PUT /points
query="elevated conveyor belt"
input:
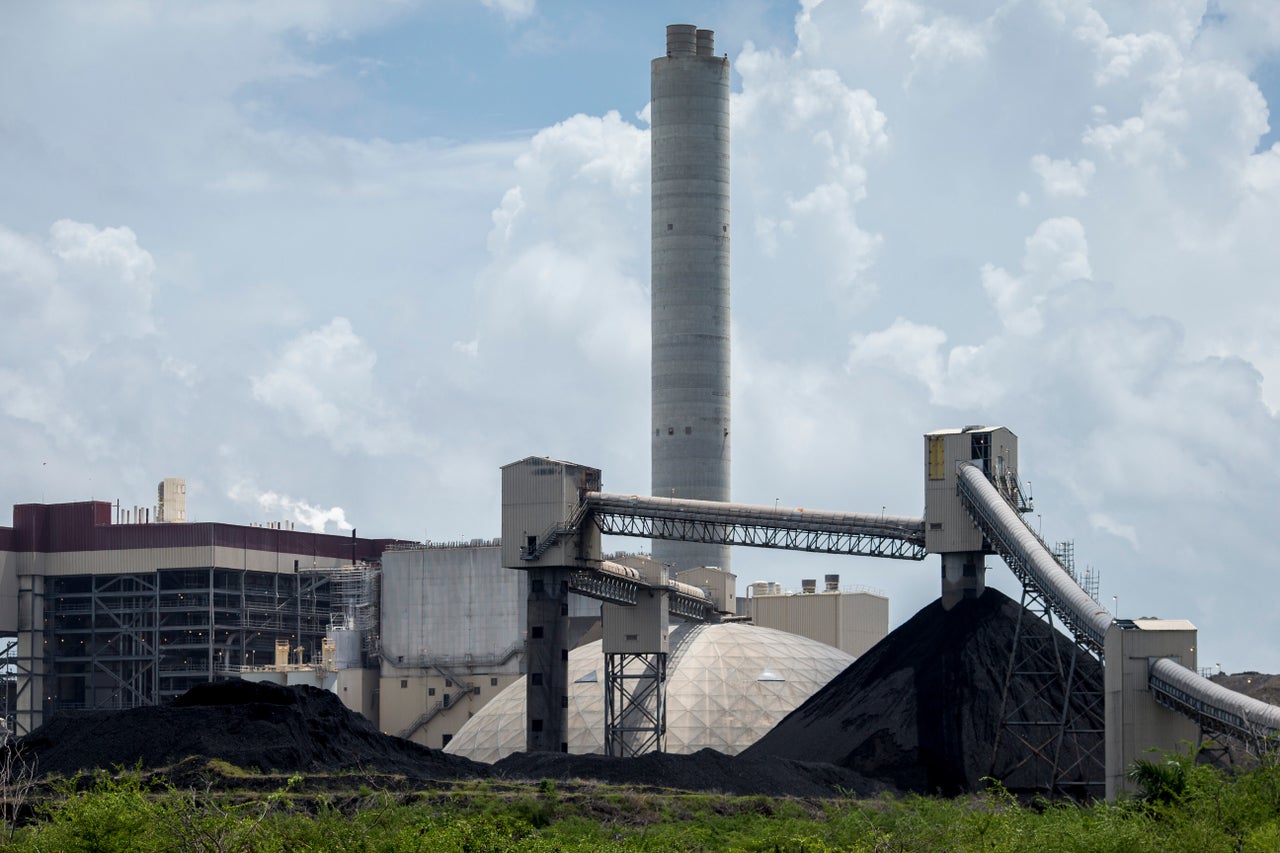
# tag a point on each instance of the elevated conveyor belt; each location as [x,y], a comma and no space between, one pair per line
[1029,558]
[897,537]
[1215,707]
[618,584]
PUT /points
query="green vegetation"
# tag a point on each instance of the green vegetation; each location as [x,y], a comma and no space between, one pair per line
[1180,806]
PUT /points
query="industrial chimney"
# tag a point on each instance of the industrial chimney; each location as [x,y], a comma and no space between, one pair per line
[689,138]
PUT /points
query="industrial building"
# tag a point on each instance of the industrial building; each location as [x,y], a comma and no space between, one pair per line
[852,620]
[453,634]
[108,612]
[111,609]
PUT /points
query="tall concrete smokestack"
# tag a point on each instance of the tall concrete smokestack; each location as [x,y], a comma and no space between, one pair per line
[689,115]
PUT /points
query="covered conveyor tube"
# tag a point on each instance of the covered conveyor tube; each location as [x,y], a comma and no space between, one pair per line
[1214,706]
[1013,539]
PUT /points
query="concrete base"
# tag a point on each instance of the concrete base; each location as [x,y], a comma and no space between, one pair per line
[964,575]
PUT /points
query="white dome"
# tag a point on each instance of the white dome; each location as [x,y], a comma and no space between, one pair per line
[727,684]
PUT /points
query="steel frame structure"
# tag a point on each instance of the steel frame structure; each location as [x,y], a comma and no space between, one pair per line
[635,703]
[1064,745]
[757,527]
[134,639]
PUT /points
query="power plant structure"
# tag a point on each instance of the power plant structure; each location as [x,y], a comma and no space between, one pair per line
[689,157]
[116,614]
[110,613]
[1153,698]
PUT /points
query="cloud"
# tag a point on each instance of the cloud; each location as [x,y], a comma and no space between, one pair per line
[1127,532]
[1062,177]
[69,299]
[82,287]
[803,144]
[1056,254]
[324,381]
[512,10]
[932,226]
[567,249]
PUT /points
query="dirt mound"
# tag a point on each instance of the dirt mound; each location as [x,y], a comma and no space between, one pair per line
[705,770]
[250,725]
[921,709]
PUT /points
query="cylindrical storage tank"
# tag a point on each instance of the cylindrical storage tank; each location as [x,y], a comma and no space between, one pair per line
[689,137]
[346,651]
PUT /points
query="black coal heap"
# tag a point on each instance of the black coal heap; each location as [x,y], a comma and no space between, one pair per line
[921,709]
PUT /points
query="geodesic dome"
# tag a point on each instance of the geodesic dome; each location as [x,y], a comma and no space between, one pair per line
[727,684]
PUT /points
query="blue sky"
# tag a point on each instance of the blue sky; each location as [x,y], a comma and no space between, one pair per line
[463,70]
[336,263]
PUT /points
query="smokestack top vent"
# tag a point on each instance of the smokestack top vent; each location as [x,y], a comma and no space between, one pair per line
[706,40]
[682,40]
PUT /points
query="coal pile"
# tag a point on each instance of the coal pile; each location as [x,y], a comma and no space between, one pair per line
[705,770]
[921,710]
[1258,685]
[304,729]
[250,725]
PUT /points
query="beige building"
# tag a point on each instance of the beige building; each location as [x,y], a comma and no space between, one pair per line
[851,620]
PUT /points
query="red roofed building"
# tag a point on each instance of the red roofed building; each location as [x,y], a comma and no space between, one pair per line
[111,615]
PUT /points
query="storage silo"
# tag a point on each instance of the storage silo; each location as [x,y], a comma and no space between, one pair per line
[689,137]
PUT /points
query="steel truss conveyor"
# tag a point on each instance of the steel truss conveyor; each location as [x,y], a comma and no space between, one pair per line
[1215,708]
[792,529]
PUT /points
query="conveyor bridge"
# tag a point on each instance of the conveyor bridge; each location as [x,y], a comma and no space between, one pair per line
[1000,529]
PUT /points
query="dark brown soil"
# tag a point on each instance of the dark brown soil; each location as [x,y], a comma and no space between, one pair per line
[921,710]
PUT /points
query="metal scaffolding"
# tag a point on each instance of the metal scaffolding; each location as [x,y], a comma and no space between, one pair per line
[126,640]
[635,703]
[1062,741]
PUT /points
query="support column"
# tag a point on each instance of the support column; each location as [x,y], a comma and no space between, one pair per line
[635,703]
[547,655]
[29,715]
[964,575]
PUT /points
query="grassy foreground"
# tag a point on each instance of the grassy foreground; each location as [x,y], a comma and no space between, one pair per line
[1182,807]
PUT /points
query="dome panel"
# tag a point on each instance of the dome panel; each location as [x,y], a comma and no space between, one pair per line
[715,693]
